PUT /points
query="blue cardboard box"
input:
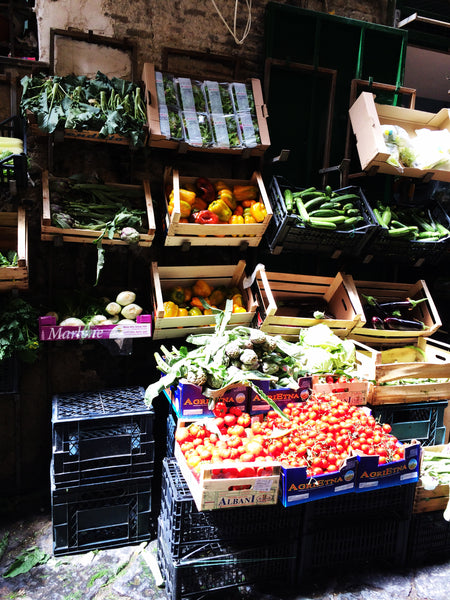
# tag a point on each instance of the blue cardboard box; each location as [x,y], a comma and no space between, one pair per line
[188,401]
[281,396]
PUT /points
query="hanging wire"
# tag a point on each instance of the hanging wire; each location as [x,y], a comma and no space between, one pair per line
[247,25]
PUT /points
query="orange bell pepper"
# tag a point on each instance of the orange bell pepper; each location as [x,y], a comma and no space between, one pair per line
[247,203]
[199,204]
[221,185]
[236,220]
[239,210]
[195,301]
[202,288]
[258,211]
[170,309]
[245,192]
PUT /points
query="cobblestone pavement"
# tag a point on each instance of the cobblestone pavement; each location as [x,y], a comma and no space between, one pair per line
[125,574]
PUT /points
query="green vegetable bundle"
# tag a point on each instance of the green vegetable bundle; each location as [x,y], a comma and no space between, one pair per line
[108,106]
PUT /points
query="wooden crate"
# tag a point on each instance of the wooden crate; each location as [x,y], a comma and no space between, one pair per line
[367,118]
[225,234]
[159,140]
[390,292]
[435,365]
[50,232]
[431,500]
[270,289]
[165,278]
[14,236]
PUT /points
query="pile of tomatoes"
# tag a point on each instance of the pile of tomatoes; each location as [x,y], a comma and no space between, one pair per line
[318,434]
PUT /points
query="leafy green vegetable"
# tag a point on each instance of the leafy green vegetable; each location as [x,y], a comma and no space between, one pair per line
[18,329]
[28,559]
[9,259]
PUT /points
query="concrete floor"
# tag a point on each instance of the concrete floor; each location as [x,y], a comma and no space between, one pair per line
[125,574]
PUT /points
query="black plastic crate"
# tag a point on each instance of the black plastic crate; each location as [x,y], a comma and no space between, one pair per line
[219,566]
[410,252]
[286,233]
[9,379]
[98,517]
[392,503]
[171,428]
[189,528]
[13,168]
[421,421]
[429,538]
[89,448]
[365,542]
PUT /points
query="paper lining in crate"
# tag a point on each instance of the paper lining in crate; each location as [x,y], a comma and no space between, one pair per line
[14,237]
[392,292]
[430,500]
[368,118]
[280,295]
[427,359]
[203,110]
[50,232]
[230,492]
[165,278]
[225,234]
[50,331]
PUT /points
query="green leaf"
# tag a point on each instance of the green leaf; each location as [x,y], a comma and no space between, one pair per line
[26,561]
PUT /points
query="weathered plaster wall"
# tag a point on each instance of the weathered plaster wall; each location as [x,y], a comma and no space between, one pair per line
[187,24]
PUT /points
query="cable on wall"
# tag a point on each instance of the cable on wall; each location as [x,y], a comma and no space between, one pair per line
[233,30]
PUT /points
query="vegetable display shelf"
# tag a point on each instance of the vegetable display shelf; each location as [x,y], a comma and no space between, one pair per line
[50,232]
[385,292]
[368,118]
[206,116]
[49,331]
[432,500]
[421,421]
[13,166]
[281,298]
[408,374]
[164,279]
[102,437]
[179,233]
[286,232]
[14,239]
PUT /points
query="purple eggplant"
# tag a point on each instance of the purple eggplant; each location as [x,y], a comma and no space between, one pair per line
[408,304]
[377,323]
[403,324]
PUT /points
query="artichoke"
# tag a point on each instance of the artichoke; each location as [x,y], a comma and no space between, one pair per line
[130,235]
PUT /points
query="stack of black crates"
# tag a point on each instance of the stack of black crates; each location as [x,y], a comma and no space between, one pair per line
[101,470]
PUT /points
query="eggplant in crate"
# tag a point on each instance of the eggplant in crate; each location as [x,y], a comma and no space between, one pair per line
[103,436]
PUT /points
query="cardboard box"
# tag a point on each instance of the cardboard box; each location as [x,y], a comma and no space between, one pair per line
[298,488]
[372,476]
[274,290]
[213,494]
[356,393]
[14,236]
[50,232]
[166,278]
[158,139]
[188,400]
[281,396]
[367,118]
[432,362]
[431,500]
[49,331]
[225,234]
[389,292]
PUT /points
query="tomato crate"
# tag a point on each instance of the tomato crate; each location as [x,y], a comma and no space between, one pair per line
[187,400]
[50,232]
[429,538]
[361,542]
[393,371]
[368,118]
[109,515]
[385,291]
[101,437]
[287,233]
[280,296]
[421,421]
[219,566]
[14,238]
[171,116]
[186,528]
[178,233]
[164,279]
[14,167]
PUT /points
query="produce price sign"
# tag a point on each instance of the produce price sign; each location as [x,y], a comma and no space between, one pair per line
[50,332]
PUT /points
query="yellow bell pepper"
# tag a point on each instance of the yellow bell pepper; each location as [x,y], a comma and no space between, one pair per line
[182,312]
[238,309]
[185,208]
[228,198]
[170,309]
[202,288]
[258,211]
[221,209]
[236,220]
[237,300]
[245,192]
[185,195]
[248,217]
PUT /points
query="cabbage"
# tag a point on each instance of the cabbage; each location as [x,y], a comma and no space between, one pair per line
[324,352]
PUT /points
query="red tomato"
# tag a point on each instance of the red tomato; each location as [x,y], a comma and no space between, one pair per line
[229,420]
